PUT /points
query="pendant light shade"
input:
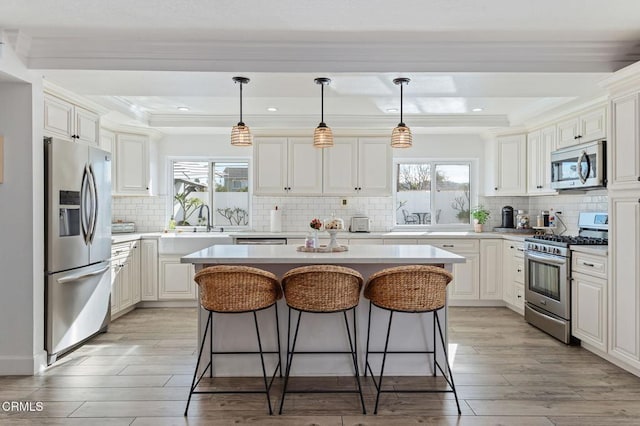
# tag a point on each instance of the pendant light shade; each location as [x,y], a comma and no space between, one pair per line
[322,136]
[401,135]
[240,133]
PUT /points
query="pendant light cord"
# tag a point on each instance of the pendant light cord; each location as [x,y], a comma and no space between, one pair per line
[241,102]
[322,103]
[401,102]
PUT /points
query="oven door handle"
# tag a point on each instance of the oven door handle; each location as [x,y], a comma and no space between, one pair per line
[547,259]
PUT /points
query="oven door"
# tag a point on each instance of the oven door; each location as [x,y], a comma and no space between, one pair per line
[546,283]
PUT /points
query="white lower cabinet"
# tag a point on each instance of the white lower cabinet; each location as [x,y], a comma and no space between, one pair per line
[588,309]
[125,278]
[176,279]
[466,276]
[513,275]
[491,269]
[149,270]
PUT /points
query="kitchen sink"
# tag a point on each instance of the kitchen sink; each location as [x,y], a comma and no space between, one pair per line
[188,242]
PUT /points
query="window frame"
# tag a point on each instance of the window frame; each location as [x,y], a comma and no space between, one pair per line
[211,160]
[474,185]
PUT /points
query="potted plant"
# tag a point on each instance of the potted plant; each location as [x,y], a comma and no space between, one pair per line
[480,216]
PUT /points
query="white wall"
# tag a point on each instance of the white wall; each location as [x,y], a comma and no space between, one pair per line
[21,219]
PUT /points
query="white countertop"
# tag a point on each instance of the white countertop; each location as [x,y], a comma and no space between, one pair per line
[396,254]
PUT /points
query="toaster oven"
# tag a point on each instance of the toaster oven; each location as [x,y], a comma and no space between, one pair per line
[360,224]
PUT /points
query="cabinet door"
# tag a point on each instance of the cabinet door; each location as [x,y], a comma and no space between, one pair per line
[593,125]
[176,279]
[340,167]
[568,132]
[115,295]
[547,146]
[149,269]
[624,149]
[588,309]
[374,166]
[107,140]
[132,164]
[125,289]
[305,167]
[465,284]
[58,116]
[87,126]
[270,165]
[507,275]
[534,141]
[512,171]
[624,285]
[491,269]
[134,272]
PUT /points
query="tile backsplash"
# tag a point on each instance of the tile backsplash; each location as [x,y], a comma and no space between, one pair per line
[149,213]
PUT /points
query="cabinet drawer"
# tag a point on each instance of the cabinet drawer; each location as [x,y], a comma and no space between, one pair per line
[516,249]
[518,270]
[454,246]
[589,264]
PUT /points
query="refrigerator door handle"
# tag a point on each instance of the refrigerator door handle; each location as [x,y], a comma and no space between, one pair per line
[83,205]
[79,277]
[94,205]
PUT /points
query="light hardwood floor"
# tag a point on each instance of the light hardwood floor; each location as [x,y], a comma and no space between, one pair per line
[507,373]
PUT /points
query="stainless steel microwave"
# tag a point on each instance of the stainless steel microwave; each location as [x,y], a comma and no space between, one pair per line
[579,167]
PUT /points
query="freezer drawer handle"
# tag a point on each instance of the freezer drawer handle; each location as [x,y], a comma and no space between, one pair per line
[81,276]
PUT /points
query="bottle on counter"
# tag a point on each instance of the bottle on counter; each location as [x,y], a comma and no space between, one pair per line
[172,224]
[552,218]
[545,218]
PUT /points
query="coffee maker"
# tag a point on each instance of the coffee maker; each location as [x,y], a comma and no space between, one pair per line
[507,217]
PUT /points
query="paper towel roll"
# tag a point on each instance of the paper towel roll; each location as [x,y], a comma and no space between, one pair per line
[276,221]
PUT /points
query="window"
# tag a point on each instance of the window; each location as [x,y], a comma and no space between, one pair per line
[433,193]
[218,187]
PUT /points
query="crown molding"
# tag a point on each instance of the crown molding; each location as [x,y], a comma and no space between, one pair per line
[307,56]
[61,92]
[341,121]
[115,126]
[626,79]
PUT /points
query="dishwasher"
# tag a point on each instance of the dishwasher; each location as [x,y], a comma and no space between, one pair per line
[261,241]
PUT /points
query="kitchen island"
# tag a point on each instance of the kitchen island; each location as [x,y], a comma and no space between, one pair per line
[235,332]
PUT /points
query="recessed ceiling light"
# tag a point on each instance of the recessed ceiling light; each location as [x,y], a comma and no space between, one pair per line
[272,109]
[183,108]
[392,109]
[477,110]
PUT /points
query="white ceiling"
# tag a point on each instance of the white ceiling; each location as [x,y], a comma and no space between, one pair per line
[144,58]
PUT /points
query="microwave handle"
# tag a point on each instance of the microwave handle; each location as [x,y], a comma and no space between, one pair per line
[583,157]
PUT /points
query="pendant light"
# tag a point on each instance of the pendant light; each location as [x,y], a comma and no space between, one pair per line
[240,134]
[322,136]
[401,135]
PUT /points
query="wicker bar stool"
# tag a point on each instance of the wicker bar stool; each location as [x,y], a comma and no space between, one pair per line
[322,289]
[409,289]
[231,290]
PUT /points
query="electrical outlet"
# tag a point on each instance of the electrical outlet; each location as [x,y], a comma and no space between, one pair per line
[344,202]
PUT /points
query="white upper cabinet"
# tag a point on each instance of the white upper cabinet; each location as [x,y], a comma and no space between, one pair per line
[624,146]
[107,140]
[539,146]
[287,166]
[590,126]
[358,166]
[132,176]
[64,119]
[510,173]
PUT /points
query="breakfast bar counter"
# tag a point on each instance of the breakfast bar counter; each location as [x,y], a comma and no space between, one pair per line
[236,332]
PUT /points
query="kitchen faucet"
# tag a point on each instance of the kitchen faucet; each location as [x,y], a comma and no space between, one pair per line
[209,227]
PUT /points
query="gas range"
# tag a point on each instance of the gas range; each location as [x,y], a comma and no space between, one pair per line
[593,232]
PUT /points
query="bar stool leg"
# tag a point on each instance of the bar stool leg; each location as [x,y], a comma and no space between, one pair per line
[264,370]
[195,372]
[366,357]
[290,353]
[354,350]
[275,306]
[446,358]
[384,358]
[434,348]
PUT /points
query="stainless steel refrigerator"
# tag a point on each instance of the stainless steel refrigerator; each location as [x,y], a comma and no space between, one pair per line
[78,244]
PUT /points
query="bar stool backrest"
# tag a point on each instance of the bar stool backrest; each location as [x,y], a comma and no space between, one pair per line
[234,288]
[410,288]
[322,288]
